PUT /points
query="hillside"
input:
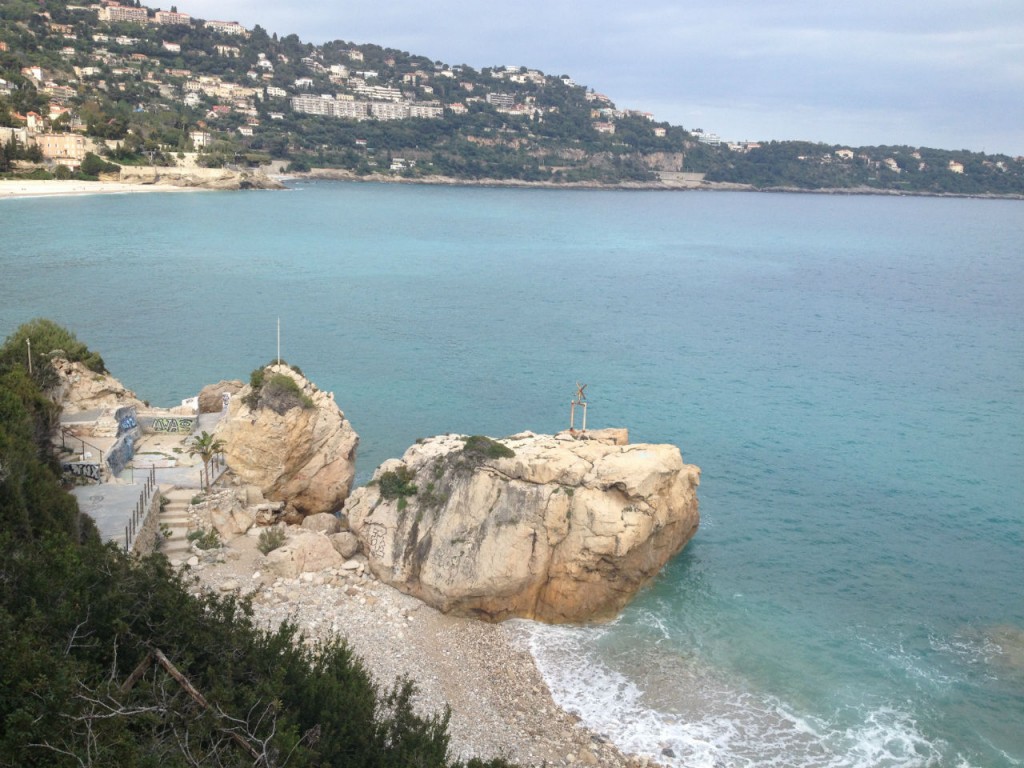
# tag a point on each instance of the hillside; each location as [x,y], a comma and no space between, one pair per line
[143,86]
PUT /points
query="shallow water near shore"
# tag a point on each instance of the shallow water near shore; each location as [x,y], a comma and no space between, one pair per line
[847,371]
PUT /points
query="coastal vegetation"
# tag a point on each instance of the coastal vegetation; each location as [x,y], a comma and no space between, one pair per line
[398,484]
[148,92]
[271,539]
[112,659]
[483,447]
[277,391]
[206,446]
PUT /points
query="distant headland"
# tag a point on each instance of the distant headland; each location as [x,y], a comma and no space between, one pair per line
[136,95]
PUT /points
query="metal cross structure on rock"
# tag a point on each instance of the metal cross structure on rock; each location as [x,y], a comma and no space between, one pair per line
[580,400]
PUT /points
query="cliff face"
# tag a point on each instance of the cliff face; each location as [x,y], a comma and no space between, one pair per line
[199,178]
[302,454]
[83,390]
[564,530]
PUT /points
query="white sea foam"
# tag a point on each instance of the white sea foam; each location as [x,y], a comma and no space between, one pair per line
[700,720]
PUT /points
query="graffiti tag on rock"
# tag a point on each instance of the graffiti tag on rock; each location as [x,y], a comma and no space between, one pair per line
[175,425]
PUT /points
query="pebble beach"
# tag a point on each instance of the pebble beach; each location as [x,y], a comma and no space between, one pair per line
[500,705]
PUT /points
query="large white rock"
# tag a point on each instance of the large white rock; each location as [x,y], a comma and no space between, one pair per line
[229,515]
[565,530]
[304,552]
[304,456]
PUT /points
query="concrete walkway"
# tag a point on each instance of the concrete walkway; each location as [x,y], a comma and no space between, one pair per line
[112,504]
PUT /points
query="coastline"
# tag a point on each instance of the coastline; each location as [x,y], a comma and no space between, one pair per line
[500,703]
[332,174]
[150,181]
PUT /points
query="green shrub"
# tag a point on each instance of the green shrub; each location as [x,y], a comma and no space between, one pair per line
[256,378]
[279,392]
[94,165]
[49,340]
[205,539]
[271,539]
[478,446]
[37,174]
[397,484]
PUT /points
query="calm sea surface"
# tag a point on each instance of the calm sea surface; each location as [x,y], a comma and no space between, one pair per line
[847,371]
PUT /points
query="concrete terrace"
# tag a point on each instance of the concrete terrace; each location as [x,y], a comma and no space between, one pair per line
[162,458]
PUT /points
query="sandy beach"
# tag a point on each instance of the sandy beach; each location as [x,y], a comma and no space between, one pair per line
[18,188]
[500,705]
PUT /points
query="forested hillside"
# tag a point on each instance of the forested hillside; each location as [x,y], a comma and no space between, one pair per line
[146,86]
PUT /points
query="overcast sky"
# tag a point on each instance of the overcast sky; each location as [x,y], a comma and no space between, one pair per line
[938,73]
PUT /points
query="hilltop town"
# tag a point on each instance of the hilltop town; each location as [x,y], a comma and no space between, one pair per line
[91,89]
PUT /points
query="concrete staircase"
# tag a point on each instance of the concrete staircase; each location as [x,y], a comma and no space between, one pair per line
[174,517]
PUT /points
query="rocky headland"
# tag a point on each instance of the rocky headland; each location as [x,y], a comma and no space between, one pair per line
[562,528]
[195,177]
[290,439]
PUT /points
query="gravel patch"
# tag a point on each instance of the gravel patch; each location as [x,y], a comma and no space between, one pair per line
[499,702]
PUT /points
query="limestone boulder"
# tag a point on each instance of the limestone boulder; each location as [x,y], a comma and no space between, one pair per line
[211,397]
[293,443]
[304,551]
[346,543]
[553,528]
[231,518]
[322,522]
[80,389]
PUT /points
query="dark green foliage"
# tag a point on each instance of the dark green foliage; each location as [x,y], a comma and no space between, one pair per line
[93,165]
[281,393]
[32,502]
[278,391]
[397,484]
[205,539]
[48,339]
[479,446]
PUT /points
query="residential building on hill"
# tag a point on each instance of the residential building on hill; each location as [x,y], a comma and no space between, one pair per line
[115,12]
[172,17]
[65,148]
[227,27]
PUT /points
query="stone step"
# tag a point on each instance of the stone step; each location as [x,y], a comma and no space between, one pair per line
[178,518]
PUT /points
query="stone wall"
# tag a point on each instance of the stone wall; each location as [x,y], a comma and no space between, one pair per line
[149,532]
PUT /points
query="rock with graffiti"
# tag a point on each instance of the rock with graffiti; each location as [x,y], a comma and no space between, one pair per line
[169,425]
[121,453]
[126,420]
[88,470]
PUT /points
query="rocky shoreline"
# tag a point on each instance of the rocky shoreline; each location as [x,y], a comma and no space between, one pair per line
[500,704]
[167,179]
[332,174]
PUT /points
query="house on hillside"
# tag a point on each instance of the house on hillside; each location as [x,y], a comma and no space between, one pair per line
[64,148]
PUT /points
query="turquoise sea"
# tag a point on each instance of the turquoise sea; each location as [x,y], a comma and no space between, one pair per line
[847,371]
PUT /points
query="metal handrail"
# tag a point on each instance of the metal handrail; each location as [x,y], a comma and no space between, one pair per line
[64,434]
[142,509]
[218,466]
